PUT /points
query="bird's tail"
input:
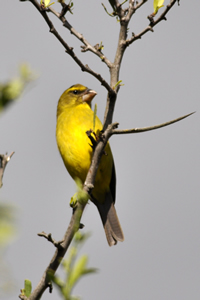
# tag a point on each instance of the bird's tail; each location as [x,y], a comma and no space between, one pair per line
[110,220]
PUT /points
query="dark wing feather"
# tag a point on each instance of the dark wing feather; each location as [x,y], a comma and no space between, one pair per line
[113,183]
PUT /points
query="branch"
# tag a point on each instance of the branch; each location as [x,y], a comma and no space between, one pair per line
[69,50]
[50,239]
[132,8]
[152,24]
[59,253]
[125,17]
[89,182]
[108,129]
[80,37]
[4,159]
[138,5]
[143,129]
[162,16]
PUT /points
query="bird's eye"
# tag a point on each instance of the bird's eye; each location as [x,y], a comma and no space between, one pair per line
[75,92]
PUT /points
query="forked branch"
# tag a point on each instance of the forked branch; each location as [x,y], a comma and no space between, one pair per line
[88,46]
[114,68]
[59,253]
[69,50]
[152,23]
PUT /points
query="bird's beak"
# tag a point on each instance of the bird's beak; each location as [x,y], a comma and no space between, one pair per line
[88,95]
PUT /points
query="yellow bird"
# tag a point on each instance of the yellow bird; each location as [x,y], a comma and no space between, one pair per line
[74,118]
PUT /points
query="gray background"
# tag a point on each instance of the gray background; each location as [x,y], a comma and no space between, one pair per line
[158,172]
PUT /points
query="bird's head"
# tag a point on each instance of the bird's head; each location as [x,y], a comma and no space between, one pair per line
[75,95]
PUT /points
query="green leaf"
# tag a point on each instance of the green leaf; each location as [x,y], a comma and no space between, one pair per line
[157,4]
[80,237]
[74,298]
[74,268]
[68,263]
[13,88]
[46,3]
[90,271]
[27,288]
[118,83]
[78,270]
[73,200]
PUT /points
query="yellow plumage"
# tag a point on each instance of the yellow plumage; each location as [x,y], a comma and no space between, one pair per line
[74,118]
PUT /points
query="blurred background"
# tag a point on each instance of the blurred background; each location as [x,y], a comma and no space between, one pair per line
[158,195]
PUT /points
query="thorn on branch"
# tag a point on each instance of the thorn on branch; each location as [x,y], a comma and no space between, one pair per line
[52,29]
[50,239]
[50,286]
[81,226]
[69,50]
[88,68]
[151,29]
[84,48]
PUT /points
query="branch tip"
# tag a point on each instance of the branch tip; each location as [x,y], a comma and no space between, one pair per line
[50,239]
[4,159]
[137,130]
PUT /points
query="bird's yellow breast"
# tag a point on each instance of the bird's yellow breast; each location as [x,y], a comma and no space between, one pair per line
[75,149]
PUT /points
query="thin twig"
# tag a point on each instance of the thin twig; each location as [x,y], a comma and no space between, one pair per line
[152,24]
[50,239]
[139,4]
[88,46]
[143,129]
[59,253]
[69,50]
[133,8]
[108,129]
